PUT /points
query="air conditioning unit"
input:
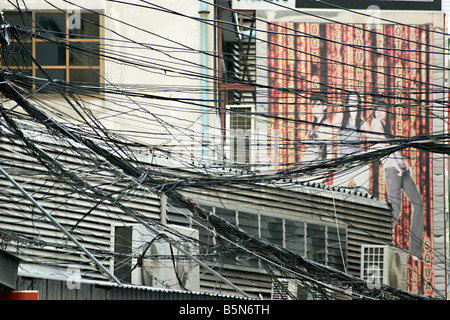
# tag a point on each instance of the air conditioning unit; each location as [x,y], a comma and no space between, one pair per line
[163,265]
[288,289]
[382,264]
[291,289]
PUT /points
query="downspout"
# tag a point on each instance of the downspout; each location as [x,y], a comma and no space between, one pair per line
[204,80]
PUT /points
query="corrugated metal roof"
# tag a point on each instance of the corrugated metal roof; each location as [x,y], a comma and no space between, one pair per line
[54,286]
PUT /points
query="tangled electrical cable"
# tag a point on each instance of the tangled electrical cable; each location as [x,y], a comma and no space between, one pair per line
[266,251]
[89,133]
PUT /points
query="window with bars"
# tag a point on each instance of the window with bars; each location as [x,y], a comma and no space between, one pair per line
[240,130]
[49,46]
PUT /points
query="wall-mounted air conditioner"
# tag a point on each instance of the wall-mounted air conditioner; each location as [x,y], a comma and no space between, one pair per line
[382,264]
[164,265]
[292,289]
[288,289]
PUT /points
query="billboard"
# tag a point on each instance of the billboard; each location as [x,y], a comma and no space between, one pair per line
[372,82]
[422,5]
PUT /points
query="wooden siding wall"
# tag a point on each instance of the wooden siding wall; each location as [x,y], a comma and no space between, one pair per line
[41,242]
[367,220]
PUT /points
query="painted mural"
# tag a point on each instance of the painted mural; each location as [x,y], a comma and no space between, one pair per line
[354,84]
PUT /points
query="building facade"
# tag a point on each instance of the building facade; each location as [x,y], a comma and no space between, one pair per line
[113,107]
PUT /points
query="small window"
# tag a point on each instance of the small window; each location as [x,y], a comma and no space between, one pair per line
[316,244]
[272,230]
[249,223]
[240,134]
[337,247]
[123,248]
[65,52]
[295,237]
[228,215]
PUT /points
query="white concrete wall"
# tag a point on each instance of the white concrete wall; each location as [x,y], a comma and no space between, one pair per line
[168,46]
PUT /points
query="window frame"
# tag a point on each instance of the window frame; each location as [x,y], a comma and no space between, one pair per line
[339,226]
[68,38]
[249,153]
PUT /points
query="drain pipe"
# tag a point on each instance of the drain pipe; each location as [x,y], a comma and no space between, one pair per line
[204,12]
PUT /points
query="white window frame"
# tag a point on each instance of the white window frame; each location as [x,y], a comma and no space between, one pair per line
[229,146]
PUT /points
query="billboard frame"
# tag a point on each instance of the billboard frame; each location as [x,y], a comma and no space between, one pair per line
[402,5]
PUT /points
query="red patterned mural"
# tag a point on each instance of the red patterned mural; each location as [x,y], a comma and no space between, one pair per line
[389,62]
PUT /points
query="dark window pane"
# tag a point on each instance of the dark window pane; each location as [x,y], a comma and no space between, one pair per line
[315,249]
[295,237]
[24,72]
[18,19]
[228,215]
[123,248]
[50,54]
[85,76]
[18,55]
[337,248]
[84,54]
[272,230]
[206,237]
[51,24]
[85,25]
[248,223]
[59,74]
[240,118]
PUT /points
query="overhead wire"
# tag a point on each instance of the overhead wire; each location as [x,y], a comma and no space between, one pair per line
[221,181]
